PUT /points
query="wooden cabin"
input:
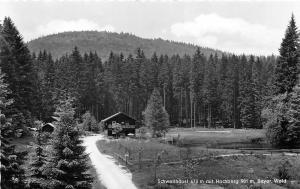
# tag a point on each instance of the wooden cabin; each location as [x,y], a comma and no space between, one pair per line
[119,124]
[48,127]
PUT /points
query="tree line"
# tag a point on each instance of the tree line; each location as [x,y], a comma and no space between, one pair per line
[197,90]
[228,90]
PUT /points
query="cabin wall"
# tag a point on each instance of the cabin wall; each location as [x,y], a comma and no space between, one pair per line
[128,124]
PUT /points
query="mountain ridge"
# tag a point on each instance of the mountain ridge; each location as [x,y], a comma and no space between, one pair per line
[104,42]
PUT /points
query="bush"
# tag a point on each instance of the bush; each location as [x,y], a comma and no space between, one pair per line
[284,169]
[89,122]
[283,120]
[142,132]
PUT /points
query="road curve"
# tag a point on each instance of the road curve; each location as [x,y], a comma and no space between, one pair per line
[111,175]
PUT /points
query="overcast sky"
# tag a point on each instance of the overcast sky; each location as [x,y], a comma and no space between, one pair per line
[240,27]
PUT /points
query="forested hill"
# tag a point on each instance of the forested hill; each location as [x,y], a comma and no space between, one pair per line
[104,42]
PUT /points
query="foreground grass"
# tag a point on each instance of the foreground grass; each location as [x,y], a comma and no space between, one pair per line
[245,167]
[147,150]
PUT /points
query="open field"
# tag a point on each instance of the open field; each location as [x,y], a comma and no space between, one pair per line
[195,158]
[147,150]
[219,138]
[231,168]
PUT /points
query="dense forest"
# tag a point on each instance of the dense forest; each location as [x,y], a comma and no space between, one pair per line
[204,90]
[103,42]
[198,90]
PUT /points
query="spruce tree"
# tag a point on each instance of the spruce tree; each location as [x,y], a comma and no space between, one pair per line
[196,83]
[225,86]
[286,67]
[38,178]
[236,79]
[12,174]
[68,167]
[249,96]
[148,76]
[16,63]
[177,84]
[293,117]
[211,90]
[283,119]
[282,112]
[44,104]
[155,115]
[165,78]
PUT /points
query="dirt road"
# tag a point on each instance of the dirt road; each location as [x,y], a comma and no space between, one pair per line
[111,175]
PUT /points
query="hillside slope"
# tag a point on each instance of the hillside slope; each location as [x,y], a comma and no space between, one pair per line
[104,42]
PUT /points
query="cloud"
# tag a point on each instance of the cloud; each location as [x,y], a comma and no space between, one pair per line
[229,34]
[56,26]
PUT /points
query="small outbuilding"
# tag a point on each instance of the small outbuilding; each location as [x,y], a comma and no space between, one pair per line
[48,127]
[119,124]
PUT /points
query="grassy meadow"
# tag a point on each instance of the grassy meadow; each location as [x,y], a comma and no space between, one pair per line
[192,155]
[219,138]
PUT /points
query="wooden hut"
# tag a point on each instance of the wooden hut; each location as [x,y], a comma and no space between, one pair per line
[119,124]
[48,127]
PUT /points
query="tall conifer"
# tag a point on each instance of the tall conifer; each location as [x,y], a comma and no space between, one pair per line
[286,70]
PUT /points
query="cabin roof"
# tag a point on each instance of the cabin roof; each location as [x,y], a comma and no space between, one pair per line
[50,124]
[55,118]
[115,115]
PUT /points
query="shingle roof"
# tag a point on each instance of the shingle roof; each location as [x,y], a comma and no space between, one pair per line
[104,120]
[49,124]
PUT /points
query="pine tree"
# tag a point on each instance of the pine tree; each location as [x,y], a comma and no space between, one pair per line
[258,86]
[236,91]
[282,113]
[178,86]
[148,76]
[16,63]
[77,73]
[12,174]
[286,67]
[293,117]
[68,168]
[249,96]
[196,83]
[38,179]
[44,82]
[283,119]
[211,90]
[186,68]
[114,82]
[165,82]
[137,98]
[155,115]
[225,90]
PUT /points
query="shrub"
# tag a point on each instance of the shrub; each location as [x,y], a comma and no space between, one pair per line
[142,132]
[283,170]
[89,122]
[283,120]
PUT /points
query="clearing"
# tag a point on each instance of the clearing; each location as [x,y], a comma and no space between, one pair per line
[201,154]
